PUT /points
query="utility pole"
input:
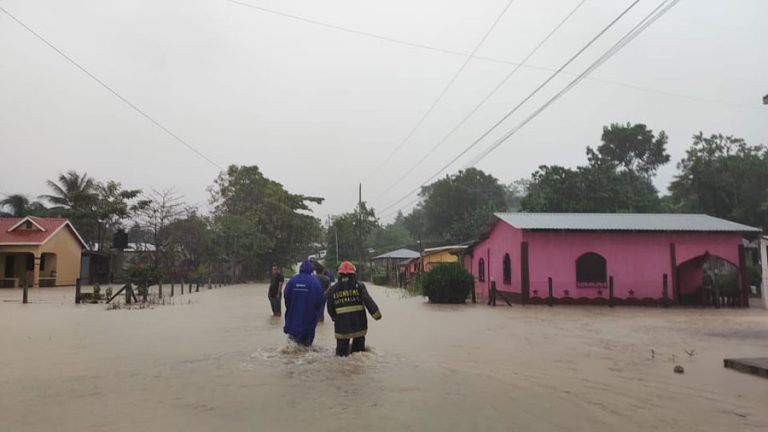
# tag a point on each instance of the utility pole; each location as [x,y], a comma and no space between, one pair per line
[360,228]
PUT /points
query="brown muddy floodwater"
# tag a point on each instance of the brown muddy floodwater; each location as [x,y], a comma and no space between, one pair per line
[217,361]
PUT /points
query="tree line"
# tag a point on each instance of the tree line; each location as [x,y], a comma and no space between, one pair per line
[720,175]
[255,223]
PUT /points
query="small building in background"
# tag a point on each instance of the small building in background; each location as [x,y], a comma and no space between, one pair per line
[685,259]
[389,263]
[442,254]
[39,252]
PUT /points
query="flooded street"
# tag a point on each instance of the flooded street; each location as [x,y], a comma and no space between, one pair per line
[217,360]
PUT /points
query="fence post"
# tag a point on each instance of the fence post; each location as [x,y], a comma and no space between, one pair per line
[717,293]
[144,291]
[197,286]
[493,291]
[209,283]
[160,288]
[128,293]
[25,293]
[190,288]
[665,290]
[550,297]
[172,287]
[610,291]
[77,291]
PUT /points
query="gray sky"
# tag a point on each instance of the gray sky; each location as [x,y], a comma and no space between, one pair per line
[319,109]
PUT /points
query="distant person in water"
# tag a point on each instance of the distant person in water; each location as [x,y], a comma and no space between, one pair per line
[276,291]
[347,301]
[325,283]
[303,305]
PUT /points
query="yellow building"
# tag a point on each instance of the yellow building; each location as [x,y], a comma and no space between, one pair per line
[40,252]
[443,254]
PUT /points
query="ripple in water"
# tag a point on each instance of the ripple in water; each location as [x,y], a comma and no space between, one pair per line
[315,363]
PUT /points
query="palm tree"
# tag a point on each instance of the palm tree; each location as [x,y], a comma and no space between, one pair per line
[17,204]
[72,192]
[20,206]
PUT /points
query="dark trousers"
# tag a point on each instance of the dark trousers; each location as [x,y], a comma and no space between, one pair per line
[342,346]
[277,308]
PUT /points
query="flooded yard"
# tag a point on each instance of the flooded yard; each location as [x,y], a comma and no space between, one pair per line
[217,360]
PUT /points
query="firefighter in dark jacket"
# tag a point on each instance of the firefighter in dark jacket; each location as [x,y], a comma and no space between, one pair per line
[347,301]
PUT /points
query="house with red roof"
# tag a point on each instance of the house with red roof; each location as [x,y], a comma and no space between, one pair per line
[39,252]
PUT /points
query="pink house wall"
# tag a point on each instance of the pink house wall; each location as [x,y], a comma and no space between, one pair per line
[504,239]
[637,261]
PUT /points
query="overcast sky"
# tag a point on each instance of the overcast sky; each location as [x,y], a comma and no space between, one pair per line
[320,109]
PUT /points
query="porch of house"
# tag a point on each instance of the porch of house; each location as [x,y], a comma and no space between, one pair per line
[19,268]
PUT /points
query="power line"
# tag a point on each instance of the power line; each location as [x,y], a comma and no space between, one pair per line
[442,93]
[482,58]
[654,15]
[399,209]
[111,90]
[482,102]
[526,99]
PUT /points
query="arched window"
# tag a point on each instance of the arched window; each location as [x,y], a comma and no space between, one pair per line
[591,270]
[481,270]
[507,266]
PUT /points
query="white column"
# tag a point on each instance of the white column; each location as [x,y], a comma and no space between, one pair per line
[764,261]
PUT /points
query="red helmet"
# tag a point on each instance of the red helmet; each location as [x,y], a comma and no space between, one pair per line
[347,268]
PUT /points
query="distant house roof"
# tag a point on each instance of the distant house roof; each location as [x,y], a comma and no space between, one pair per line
[434,250]
[622,222]
[14,232]
[399,254]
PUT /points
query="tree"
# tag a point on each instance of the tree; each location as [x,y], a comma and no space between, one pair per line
[617,178]
[590,189]
[259,223]
[95,209]
[633,148]
[73,192]
[191,246]
[354,231]
[19,205]
[159,211]
[514,194]
[113,206]
[725,177]
[455,207]
[391,236]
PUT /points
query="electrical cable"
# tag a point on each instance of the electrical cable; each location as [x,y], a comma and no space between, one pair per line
[482,102]
[442,93]
[527,98]
[111,90]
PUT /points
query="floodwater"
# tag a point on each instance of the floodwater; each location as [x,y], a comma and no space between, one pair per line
[217,361]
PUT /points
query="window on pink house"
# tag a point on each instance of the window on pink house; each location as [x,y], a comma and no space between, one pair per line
[591,271]
[481,270]
[507,265]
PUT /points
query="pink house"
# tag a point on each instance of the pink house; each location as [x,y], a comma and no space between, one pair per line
[611,258]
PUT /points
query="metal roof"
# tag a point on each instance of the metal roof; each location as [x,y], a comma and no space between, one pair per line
[622,222]
[429,251]
[399,254]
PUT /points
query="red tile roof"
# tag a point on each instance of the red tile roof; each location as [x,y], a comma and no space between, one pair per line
[34,236]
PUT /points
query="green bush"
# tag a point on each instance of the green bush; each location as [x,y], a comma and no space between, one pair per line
[447,283]
[380,279]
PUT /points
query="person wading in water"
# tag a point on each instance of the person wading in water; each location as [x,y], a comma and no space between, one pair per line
[347,301]
[276,291]
[303,305]
[325,283]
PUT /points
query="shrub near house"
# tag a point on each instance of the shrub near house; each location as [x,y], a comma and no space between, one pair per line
[448,283]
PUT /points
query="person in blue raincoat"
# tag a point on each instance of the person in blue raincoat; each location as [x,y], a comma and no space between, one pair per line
[303,305]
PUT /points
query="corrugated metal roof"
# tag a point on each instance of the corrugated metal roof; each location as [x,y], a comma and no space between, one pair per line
[444,248]
[622,222]
[399,254]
